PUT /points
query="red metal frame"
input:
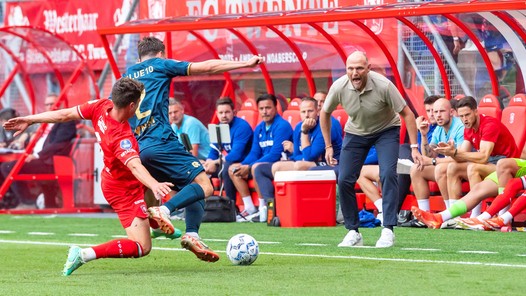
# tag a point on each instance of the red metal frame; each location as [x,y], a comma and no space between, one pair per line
[253,50]
[388,55]
[296,50]
[62,96]
[491,71]
[320,15]
[434,53]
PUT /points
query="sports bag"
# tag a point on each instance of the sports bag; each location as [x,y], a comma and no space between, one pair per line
[219,209]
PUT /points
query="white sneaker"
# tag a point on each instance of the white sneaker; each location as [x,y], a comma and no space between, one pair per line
[352,239]
[386,239]
[246,216]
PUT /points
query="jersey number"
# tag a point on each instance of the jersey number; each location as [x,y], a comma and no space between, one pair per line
[138,113]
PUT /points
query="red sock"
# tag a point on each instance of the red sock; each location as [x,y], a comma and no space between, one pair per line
[119,248]
[518,205]
[513,187]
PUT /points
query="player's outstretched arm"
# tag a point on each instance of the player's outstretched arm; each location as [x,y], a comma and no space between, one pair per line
[22,123]
[219,66]
[140,172]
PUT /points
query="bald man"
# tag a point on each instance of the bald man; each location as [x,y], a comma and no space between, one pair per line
[449,128]
[374,106]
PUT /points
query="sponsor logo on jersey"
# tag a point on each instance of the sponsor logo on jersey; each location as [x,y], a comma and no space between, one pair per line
[267,143]
[196,164]
[126,144]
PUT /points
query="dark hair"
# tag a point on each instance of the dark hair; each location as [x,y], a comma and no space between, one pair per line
[225,101]
[431,100]
[126,91]
[271,97]
[150,46]
[454,104]
[321,92]
[467,101]
[8,113]
[310,99]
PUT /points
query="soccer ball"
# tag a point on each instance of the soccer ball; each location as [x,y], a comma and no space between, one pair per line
[242,249]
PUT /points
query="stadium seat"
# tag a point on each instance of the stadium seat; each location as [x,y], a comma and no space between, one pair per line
[292,116]
[459,97]
[489,105]
[249,112]
[514,118]
[294,104]
[341,116]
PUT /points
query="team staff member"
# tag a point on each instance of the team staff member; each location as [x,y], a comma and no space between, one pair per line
[238,148]
[122,175]
[373,104]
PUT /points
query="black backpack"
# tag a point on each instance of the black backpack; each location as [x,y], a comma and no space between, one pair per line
[219,209]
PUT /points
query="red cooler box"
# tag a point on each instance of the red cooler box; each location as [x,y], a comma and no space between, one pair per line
[305,198]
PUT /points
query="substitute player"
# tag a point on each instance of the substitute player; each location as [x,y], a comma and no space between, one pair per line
[122,175]
[160,150]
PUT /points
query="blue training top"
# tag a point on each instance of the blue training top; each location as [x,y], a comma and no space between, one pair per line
[267,142]
[316,150]
[150,122]
[241,142]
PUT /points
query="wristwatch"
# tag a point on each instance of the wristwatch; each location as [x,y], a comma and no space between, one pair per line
[434,161]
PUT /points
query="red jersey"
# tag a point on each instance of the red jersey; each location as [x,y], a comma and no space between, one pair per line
[492,130]
[116,141]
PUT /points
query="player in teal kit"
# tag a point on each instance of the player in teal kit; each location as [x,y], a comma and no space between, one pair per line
[160,151]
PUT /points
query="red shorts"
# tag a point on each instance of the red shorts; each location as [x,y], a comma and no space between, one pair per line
[126,199]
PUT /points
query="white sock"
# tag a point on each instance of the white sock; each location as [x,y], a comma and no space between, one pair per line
[475,212]
[506,217]
[249,205]
[446,202]
[378,205]
[423,204]
[504,210]
[88,254]
[193,234]
[484,216]
[165,210]
[446,215]
[262,203]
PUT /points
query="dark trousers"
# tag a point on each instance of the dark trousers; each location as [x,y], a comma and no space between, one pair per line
[263,177]
[228,185]
[404,180]
[353,154]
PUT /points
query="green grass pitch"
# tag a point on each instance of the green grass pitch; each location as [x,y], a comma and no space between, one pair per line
[292,261]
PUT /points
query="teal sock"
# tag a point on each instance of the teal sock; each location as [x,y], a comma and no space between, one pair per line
[194,216]
[187,196]
[458,208]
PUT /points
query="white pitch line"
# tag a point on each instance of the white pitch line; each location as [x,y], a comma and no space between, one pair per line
[119,236]
[306,255]
[6,231]
[83,234]
[419,249]
[477,252]
[312,245]
[41,233]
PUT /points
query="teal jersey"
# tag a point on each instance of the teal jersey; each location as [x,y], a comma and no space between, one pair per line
[150,122]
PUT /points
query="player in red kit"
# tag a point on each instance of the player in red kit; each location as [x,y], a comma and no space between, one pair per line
[123,175]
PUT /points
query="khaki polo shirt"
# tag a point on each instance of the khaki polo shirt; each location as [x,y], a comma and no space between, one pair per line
[370,111]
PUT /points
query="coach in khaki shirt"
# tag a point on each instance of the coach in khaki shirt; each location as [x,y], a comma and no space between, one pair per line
[374,106]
